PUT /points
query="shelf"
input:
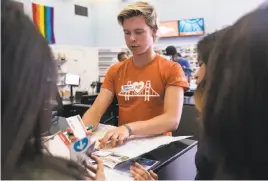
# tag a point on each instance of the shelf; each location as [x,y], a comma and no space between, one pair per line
[108,56]
[101,56]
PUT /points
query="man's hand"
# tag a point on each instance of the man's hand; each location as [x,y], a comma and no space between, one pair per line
[98,170]
[115,137]
[139,173]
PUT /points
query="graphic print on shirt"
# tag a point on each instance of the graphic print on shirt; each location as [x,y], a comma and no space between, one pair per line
[138,89]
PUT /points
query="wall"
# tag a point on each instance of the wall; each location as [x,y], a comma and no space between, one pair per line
[217,14]
[69,28]
[83,61]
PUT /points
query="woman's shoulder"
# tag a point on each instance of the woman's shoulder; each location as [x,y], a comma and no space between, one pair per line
[49,168]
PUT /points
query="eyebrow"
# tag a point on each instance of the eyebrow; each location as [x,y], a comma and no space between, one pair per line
[138,29]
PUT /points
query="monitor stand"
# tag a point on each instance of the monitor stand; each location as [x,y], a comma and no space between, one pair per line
[71,93]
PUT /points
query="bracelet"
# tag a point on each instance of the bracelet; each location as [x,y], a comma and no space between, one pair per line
[129,129]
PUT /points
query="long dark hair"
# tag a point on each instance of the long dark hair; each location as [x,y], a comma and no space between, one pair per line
[28,80]
[204,48]
[235,111]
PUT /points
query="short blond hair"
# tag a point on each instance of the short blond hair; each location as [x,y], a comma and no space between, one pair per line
[143,9]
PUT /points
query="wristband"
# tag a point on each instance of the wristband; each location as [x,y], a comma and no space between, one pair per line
[129,129]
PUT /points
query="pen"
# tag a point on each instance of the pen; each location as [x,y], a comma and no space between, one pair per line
[90,127]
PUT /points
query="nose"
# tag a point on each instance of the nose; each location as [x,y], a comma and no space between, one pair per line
[132,38]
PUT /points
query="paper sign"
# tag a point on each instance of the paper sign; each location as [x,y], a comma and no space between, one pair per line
[77,126]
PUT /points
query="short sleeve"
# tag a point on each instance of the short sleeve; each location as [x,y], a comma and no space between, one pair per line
[109,80]
[177,77]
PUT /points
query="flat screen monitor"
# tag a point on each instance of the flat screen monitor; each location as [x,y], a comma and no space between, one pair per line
[72,79]
[191,27]
[168,29]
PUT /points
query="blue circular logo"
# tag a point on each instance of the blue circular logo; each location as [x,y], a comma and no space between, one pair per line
[81,145]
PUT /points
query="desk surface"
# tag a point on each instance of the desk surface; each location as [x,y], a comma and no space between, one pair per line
[176,159]
[166,154]
[182,168]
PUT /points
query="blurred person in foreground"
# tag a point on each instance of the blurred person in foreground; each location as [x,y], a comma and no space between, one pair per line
[28,85]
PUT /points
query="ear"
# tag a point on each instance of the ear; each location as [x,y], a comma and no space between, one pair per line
[154,32]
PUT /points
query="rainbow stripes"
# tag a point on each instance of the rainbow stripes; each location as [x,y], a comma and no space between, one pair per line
[43,17]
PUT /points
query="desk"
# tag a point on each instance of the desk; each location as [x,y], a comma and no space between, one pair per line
[176,159]
[72,108]
[180,168]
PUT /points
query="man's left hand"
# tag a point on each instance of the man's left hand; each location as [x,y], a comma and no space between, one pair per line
[115,137]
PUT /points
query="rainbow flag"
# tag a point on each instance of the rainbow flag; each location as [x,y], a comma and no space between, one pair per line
[43,17]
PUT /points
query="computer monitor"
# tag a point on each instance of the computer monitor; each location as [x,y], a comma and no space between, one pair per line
[72,79]
[192,27]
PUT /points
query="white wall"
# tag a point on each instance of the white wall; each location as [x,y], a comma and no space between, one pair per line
[83,61]
[100,28]
[69,28]
[217,13]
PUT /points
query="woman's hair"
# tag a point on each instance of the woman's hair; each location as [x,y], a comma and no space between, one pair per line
[199,96]
[28,77]
[204,48]
[235,111]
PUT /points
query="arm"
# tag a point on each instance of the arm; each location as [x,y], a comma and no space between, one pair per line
[93,115]
[166,122]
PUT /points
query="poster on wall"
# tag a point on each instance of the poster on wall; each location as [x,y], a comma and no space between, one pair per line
[168,29]
[43,17]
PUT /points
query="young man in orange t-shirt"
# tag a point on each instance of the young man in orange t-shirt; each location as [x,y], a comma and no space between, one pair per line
[149,88]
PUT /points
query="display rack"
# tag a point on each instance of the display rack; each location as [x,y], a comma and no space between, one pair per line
[108,56]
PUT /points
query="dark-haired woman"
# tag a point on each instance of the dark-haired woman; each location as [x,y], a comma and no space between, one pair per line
[27,86]
[235,110]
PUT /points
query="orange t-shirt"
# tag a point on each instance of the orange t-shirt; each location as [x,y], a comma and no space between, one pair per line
[140,91]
